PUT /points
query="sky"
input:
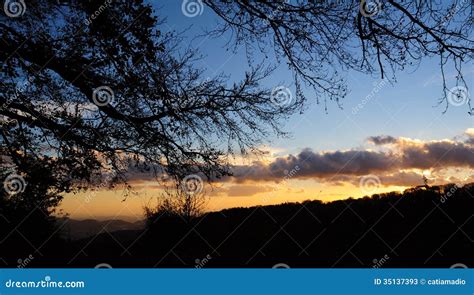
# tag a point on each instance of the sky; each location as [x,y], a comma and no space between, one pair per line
[390,133]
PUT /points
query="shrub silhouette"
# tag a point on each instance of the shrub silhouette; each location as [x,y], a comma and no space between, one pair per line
[424,226]
[421,227]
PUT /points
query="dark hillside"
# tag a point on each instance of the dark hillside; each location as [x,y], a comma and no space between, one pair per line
[423,227]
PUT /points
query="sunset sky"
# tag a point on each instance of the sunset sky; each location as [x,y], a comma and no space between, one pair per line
[385,137]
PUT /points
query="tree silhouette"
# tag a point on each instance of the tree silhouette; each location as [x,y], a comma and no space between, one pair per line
[175,203]
[122,91]
[106,92]
[29,196]
[421,227]
[320,39]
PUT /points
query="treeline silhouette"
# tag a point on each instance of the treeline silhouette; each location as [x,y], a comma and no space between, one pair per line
[426,226]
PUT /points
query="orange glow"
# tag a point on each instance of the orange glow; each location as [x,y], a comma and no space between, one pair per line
[112,204]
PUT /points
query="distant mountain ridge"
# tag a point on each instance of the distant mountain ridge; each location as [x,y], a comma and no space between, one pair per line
[78,229]
[402,229]
[425,226]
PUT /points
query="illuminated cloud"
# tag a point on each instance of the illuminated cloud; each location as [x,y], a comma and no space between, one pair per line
[470,136]
[310,164]
[395,161]
[400,164]
[246,190]
[382,139]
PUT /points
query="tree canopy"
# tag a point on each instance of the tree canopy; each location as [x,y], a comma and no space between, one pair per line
[320,39]
[93,85]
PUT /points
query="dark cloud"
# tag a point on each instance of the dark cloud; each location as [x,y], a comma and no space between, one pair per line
[392,164]
[333,166]
[382,139]
[438,154]
[308,164]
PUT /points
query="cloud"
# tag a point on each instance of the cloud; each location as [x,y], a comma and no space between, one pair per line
[397,161]
[382,139]
[399,178]
[246,190]
[402,179]
[392,164]
[439,153]
[312,164]
[470,135]
[308,164]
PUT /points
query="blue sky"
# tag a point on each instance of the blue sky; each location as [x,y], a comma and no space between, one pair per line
[407,108]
